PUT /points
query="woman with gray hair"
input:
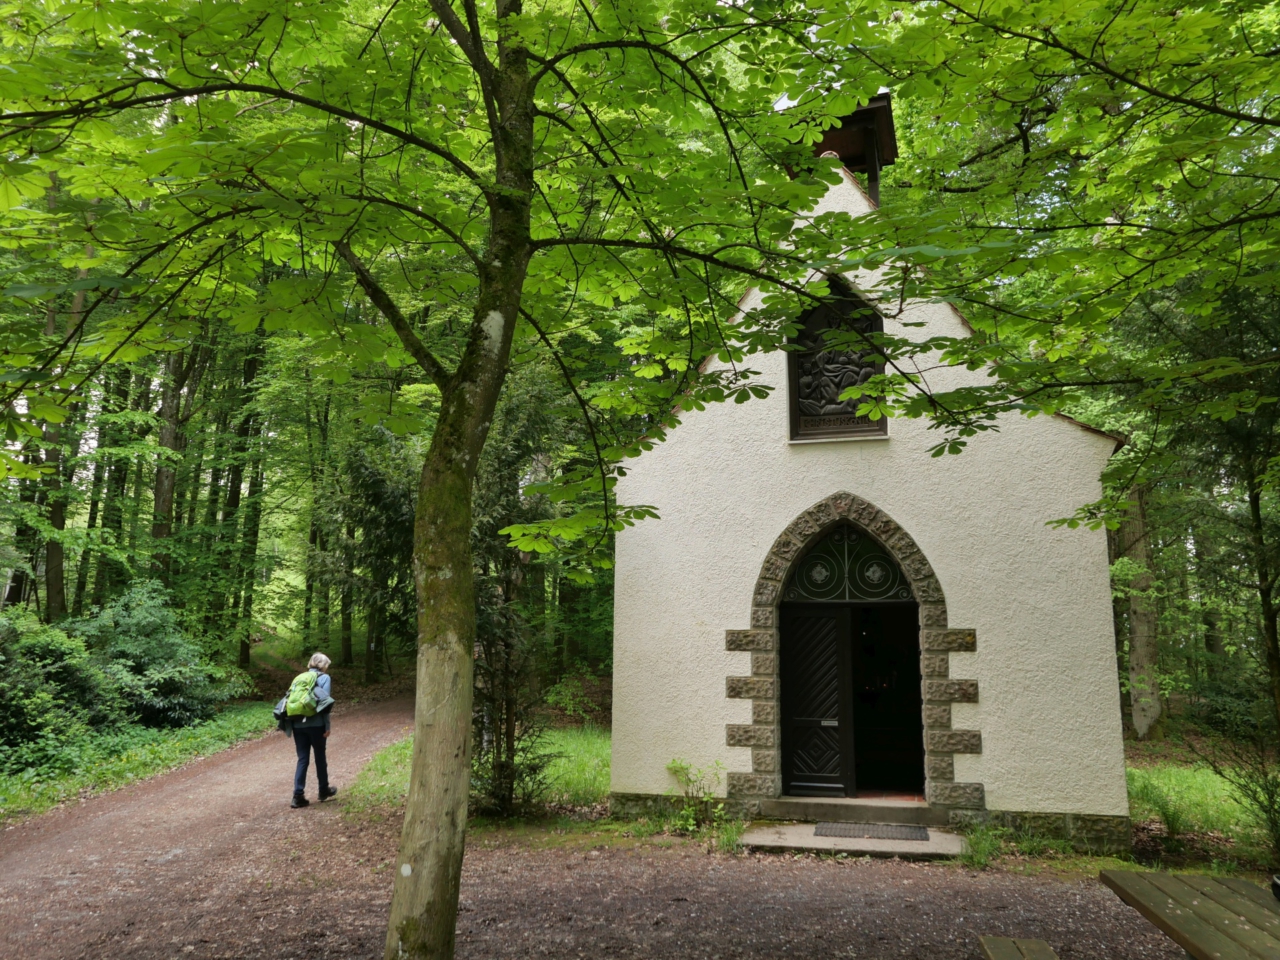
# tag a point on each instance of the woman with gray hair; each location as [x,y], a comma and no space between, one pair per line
[309,731]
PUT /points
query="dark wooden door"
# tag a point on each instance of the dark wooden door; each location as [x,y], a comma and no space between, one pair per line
[887,718]
[817,709]
[851,705]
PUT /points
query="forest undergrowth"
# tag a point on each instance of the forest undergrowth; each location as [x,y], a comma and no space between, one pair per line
[573,802]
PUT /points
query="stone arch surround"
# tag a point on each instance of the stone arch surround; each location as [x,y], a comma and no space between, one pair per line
[937,641]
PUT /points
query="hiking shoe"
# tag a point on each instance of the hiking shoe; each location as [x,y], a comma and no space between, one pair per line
[300,802]
[328,793]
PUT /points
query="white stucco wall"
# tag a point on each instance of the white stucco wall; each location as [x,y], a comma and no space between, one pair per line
[728,481]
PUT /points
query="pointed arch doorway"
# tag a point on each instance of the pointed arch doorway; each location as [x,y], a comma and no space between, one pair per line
[851,707]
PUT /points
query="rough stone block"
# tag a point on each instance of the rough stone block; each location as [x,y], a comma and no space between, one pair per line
[763,617]
[764,711]
[803,527]
[954,741]
[750,735]
[928,590]
[1100,834]
[842,503]
[948,640]
[939,768]
[917,568]
[748,688]
[957,691]
[753,785]
[767,592]
[785,548]
[901,545]
[963,820]
[969,795]
[764,665]
[824,513]
[937,716]
[933,615]
[882,527]
[753,640]
[774,568]
[1088,833]
[764,760]
[935,665]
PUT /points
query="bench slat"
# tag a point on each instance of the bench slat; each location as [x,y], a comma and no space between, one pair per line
[1036,950]
[1002,948]
[1251,891]
[1184,892]
[1179,923]
[1261,915]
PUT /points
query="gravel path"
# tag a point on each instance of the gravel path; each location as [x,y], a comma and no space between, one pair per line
[210,862]
[135,868]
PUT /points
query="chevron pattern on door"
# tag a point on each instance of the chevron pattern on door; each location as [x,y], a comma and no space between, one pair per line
[817,714]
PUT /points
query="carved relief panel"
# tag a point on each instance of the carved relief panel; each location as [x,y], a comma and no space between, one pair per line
[823,369]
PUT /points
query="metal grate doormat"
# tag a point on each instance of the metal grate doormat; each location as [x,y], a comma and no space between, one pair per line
[872,831]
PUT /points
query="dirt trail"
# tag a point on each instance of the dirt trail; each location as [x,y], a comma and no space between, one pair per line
[144,864]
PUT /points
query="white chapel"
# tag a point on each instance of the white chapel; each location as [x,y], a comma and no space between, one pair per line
[853,629]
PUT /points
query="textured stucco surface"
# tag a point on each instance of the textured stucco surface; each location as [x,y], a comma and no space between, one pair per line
[727,482]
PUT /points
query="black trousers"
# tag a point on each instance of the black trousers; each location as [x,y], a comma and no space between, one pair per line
[305,740]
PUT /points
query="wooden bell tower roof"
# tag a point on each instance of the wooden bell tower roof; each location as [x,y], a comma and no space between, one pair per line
[865,141]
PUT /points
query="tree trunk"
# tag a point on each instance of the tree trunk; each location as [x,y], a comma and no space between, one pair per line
[322,587]
[1144,688]
[24,539]
[424,900]
[1210,615]
[55,576]
[249,555]
[226,554]
[109,572]
[95,498]
[346,598]
[309,593]
[170,438]
[1266,585]
[371,639]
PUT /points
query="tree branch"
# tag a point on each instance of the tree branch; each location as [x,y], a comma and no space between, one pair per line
[387,307]
[90,107]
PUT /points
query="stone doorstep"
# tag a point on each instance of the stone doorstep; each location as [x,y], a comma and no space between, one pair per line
[853,810]
[799,836]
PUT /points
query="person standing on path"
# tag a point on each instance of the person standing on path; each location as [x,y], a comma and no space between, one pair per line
[309,734]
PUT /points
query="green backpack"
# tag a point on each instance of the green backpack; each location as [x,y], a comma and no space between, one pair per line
[300,701]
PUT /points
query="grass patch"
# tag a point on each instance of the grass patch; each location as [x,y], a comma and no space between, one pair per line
[113,759]
[579,774]
[1186,799]
[982,844]
[383,783]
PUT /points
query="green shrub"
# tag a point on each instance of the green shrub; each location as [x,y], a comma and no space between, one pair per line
[53,694]
[698,788]
[160,673]
[982,845]
[101,759]
[570,696]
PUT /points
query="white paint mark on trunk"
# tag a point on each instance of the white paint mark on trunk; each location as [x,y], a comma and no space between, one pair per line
[493,326]
[405,870]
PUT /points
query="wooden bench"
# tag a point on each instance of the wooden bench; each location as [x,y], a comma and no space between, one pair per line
[1013,948]
[1212,918]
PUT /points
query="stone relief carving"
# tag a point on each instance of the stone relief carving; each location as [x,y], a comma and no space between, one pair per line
[823,370]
